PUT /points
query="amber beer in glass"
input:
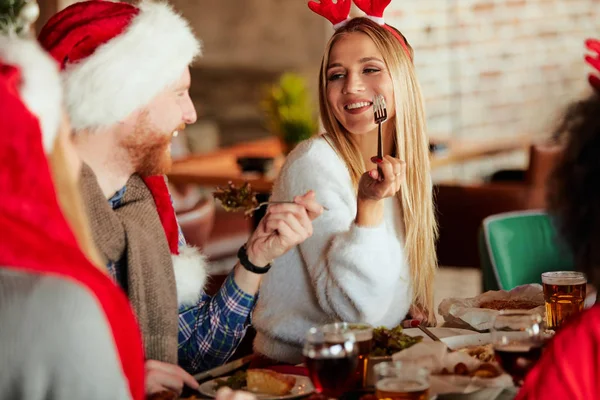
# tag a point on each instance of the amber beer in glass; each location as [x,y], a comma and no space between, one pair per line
[564,293]
[397,380]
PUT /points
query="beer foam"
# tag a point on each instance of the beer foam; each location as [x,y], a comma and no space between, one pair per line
[400,386]
[563,278]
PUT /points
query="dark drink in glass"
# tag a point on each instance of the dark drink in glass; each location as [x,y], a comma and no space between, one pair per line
[363,333]
[518,339]
[517,360]
[332,376]
[331,357]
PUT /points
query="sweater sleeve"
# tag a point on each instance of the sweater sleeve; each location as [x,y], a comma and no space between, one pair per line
[56,342]
[354,270]
[570,365]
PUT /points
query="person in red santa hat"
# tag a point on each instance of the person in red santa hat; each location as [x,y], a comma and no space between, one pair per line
[67,331]
[126,79]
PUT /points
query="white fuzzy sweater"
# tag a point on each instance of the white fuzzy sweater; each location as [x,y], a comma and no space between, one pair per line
[342,273]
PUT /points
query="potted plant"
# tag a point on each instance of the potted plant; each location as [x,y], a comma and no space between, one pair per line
[289,112]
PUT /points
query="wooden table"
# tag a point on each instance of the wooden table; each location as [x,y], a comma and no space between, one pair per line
[220,167]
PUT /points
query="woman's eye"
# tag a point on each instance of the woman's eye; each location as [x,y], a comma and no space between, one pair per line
[334,77]
[370,70]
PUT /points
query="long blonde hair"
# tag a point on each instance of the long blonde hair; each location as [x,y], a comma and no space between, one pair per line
[412,146]
[71,203]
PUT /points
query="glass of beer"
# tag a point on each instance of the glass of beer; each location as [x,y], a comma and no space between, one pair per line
[564,293]
[518,339]
[397,380]
[331,357]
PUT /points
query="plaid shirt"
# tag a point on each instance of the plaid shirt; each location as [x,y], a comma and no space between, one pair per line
[211,330]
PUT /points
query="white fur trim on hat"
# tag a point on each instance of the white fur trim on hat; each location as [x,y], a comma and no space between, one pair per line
[40,90]
[129,70]
[190,275]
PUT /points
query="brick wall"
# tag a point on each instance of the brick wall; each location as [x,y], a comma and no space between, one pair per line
[491,68]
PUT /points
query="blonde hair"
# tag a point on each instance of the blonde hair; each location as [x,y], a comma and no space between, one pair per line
[412,146]
[71,204]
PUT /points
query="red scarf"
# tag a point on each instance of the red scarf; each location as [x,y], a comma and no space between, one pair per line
[35,235]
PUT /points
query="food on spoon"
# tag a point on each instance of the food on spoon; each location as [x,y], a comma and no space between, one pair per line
[389,341]
[233,198]
[509,305]
[269,382]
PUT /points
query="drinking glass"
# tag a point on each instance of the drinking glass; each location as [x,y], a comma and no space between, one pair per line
[564,294]
[397,380]
[518,339]
[331,357]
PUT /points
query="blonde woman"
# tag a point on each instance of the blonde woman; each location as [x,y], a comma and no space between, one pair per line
[371,257]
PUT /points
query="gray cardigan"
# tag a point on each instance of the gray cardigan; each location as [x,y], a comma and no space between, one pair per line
[55,342]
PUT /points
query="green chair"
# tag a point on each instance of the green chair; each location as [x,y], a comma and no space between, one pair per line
[516,247]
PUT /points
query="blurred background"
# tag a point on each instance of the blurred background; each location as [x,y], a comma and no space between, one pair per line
[488,68]
[495,74]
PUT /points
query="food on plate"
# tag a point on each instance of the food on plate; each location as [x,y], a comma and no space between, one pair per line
[235,381]
[389,341]
[164,395]
[485,370]
[509,304]
[259,381]
[269,382]
[483,353]
[233,198]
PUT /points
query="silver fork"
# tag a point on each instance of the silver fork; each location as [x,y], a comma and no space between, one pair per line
[266,203]
[380,114]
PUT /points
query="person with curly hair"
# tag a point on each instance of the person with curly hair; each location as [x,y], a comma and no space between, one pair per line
[570,367]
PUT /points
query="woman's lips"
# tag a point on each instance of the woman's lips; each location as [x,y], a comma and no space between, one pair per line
[357,107]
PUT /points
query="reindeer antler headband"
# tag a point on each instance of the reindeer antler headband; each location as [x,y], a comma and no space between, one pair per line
[339,14]
[594,46]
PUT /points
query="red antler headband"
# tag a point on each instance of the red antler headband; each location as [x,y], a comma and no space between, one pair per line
[339,14]
[594,46]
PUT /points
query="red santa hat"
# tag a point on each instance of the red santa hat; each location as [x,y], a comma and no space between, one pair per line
[114,59]
[39,88]
[36,237]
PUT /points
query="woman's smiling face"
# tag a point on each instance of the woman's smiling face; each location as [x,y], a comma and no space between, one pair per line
[355,74]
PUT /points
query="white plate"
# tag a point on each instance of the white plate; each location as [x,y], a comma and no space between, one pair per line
[474,339]
[455,338]
[303,387]
[439,332]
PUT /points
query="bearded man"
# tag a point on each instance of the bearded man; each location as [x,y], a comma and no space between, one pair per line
[125,71]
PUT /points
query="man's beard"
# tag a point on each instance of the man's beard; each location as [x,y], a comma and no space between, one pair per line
[148,149]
